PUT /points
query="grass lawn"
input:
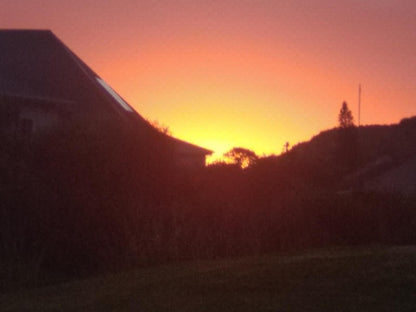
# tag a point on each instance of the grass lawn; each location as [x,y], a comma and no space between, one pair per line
[356,279]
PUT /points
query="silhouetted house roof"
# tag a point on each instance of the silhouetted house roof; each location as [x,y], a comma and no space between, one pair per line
[37,69]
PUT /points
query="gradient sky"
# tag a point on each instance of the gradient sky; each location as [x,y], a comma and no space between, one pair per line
[248,73]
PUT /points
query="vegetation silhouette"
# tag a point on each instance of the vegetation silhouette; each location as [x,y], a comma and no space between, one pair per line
[91,197]
[286,147]
[160,127]
[347,145]
[241,157]
[345,117]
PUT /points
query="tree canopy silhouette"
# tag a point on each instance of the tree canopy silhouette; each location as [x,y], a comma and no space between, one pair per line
[162,128]
[241,156]
[345,117]
[286,147]
[347,144]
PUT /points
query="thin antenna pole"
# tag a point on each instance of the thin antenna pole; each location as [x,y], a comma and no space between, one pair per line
[359,104]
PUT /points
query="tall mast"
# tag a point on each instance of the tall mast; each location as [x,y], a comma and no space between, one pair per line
[359,104]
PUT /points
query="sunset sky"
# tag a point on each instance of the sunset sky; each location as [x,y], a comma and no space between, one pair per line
[248,73]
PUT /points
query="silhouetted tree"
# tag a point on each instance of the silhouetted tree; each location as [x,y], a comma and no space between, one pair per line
[347,145]
[286,147]
[161,127]
[241,156]
[345,118]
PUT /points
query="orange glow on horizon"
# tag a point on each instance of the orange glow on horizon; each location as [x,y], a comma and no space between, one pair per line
[252,74]
[238,95]
[220,99]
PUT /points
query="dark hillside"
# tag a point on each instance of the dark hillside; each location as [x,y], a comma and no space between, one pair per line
[371,150]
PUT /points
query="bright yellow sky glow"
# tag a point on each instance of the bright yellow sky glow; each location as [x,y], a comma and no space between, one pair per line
[221,98]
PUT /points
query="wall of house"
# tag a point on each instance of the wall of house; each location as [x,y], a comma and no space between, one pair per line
[41,121]
[190,161]
[28,119]
[188,155]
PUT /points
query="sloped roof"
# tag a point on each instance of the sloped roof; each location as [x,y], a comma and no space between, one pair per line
[184,148]
[36,64]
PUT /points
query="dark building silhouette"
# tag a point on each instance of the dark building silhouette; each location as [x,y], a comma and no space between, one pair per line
[44,85]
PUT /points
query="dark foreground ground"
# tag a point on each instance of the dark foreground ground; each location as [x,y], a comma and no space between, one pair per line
[359,279]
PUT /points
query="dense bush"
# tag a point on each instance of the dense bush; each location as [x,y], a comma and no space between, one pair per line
[97,199]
